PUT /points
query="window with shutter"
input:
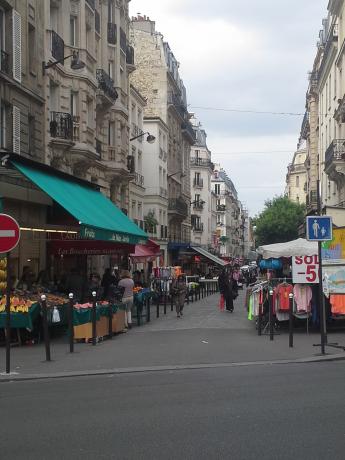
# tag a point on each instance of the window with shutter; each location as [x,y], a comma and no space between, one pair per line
[16,130]
[17,45]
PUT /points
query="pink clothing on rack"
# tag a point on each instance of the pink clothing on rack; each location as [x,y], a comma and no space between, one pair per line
[303,295]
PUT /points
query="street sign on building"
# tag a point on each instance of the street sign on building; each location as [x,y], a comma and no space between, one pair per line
[305,269]
[319,228]
[9,233]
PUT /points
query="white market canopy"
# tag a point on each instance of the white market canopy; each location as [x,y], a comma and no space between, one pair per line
[299,247]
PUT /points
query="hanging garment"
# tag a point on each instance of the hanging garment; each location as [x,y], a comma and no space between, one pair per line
[282,291]
[303,295]
[337,304]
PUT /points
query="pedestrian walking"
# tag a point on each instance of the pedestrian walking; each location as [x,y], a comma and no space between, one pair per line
[179,292]
[228,288]
[127,282]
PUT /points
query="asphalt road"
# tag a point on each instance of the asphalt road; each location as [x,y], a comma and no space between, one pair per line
[294,411]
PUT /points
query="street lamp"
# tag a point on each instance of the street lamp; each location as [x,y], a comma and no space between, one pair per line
[76,63]
[150,139]
[254,230]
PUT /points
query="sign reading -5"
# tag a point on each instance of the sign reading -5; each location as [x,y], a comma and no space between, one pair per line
[305,269]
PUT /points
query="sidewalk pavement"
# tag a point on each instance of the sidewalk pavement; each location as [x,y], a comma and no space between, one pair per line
[203,337]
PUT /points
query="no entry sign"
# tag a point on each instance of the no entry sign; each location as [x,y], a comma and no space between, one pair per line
[9,233]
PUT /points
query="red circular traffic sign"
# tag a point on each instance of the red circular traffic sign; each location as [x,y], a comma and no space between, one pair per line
[9,233]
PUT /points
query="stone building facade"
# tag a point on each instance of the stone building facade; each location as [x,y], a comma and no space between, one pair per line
[296,178]
[157,78]
[201,167]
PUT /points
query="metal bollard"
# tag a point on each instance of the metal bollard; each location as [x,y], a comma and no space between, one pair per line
[94,318]
[8,317]
[260,319]
[291,320]
[148,306]
[271,315]
[157,306]
[110,319]
[45,327]
[165,302]
[171,302]
[138,314]
[70,323]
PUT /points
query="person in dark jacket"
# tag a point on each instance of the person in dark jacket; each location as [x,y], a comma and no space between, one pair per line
[227,288]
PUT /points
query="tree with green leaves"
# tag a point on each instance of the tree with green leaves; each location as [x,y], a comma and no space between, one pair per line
[279,221]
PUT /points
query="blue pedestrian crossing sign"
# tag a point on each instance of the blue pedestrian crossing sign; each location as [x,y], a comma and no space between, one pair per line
[319,228]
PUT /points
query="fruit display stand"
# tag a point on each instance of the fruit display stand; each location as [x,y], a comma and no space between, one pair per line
[23,315]
[82,320]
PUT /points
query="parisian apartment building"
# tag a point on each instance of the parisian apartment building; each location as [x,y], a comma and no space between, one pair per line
[322,130]
[296,178]
[158,79]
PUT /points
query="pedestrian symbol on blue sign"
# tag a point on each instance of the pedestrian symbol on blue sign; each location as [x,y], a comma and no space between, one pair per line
[319,228]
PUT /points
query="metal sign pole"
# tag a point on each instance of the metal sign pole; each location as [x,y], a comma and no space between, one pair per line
[8,315]
[321,304]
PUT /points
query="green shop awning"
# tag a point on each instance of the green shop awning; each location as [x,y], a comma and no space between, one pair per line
[98,217]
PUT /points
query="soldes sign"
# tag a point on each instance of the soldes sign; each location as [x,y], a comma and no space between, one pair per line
[305,269]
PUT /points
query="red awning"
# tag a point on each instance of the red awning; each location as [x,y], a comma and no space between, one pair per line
[146,252]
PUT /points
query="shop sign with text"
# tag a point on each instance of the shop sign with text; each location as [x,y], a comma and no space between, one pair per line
[305,269]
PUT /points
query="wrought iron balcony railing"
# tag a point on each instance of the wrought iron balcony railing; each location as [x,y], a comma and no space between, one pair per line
[5,62]
[139,179]
[178,104]
[130,55]
[106,84]
[178,205]
[336,151]
[61,125]
[112,33]
[195,161]
[198,183]
[221,208]
[97,22]
[188,128]
[57,46]
[198,205]
[198,227]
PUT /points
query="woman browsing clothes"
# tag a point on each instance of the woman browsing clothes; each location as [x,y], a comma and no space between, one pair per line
[179,292]
[228,288]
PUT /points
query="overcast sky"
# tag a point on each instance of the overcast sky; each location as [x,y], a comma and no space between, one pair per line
[246,55]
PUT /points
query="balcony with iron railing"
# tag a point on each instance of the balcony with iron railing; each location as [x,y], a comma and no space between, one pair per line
[5,62]
[178,104]
[178,206]
[221,208]
[139,179]
[57,46]
[335,160]
[112,33]
[197,227]
[198,205]
[196,161]
[198,183]
[187,128]
[61,126]
[106,84]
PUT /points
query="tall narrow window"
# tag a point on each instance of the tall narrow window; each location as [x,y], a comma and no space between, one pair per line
[111,11]
[17,45]
[297,181]
[90,114]
[16,130]
[74,104]
[2,32]
[110,69]
[2,125]
[32,48]
[111,133]
[31,134]
[73,30]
